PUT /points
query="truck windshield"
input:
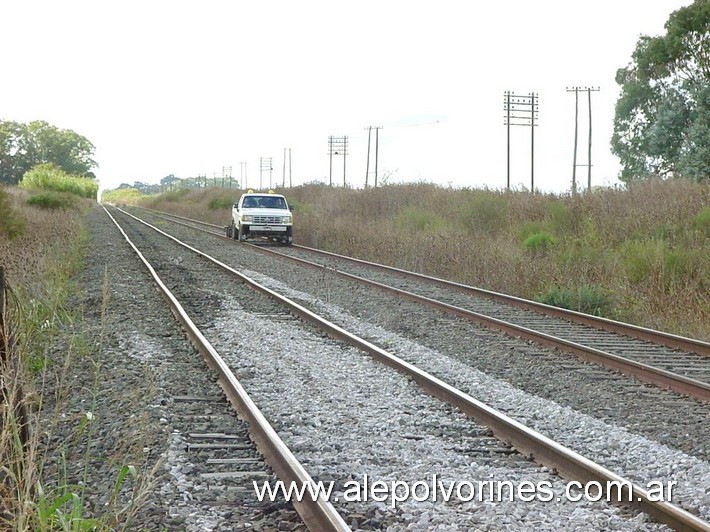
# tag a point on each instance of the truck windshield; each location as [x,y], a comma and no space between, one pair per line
[264,202]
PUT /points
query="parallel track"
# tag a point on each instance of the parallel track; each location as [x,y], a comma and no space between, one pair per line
[665,360]
[542,449]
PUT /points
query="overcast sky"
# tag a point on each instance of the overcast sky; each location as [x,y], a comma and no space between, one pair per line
[188,88]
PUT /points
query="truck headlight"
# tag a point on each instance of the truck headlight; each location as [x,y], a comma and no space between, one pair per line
[247,218]
[285,219]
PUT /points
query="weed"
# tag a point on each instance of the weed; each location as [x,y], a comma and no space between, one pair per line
[486,211]
[588,299]
[539,242]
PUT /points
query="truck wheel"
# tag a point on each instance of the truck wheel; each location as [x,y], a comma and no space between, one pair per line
[240,234]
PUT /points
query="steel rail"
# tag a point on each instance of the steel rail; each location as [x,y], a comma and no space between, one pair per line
[540,448]
[636,331]
[642,333]
[644,372]
[317,515]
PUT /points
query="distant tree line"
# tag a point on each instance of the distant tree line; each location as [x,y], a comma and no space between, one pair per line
[662,120]
[171,182]
[23,146]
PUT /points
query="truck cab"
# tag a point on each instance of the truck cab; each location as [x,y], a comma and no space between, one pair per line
[262,215]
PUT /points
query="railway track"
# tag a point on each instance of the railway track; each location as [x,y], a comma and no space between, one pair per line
[527,442]
[666,360]
[244,466]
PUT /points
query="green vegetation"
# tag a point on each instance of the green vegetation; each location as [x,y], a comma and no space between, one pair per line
[122,195]
[662,121]
[539,242]
[11,224]
[588,299]
[53,200]
[24,146]
[641,255]
[222,202]
[50,177]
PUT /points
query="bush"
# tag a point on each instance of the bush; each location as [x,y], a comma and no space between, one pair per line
[588,299]
[486,211]
[559,216]
[539,242]
[10,223]
[220,203]
[417,219]
[50,177]
[52,200]
[173,195]
[122,195]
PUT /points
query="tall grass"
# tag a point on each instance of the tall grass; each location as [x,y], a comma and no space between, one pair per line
[50,177]
[647,249]
[48,338]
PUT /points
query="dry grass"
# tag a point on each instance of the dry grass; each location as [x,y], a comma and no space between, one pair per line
[39,264]
[647,248]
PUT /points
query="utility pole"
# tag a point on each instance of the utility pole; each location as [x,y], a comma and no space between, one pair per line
[243,173]
[290,170]
[377,137]
[576,91]
[264,165]
[283,175]
[521,110]
[337,146]
[227,172]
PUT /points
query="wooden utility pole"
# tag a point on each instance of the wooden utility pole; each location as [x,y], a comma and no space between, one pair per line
[337,146]
[522,110]
[576,91]
[377,147]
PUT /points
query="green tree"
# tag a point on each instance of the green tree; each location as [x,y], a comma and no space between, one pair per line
[10,157]
[662,125]
[23,146]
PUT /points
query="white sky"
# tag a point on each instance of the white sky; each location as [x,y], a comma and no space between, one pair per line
[165,87]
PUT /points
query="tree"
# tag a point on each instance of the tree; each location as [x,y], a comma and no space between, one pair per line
[23,146]
[661,125]
[10,161]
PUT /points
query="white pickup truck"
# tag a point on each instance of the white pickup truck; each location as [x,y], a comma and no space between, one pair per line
[258,215]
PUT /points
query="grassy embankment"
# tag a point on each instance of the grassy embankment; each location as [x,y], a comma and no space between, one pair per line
[43,238]
[640,255]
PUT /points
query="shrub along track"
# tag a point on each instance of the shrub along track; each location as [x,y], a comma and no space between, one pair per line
[180,262]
